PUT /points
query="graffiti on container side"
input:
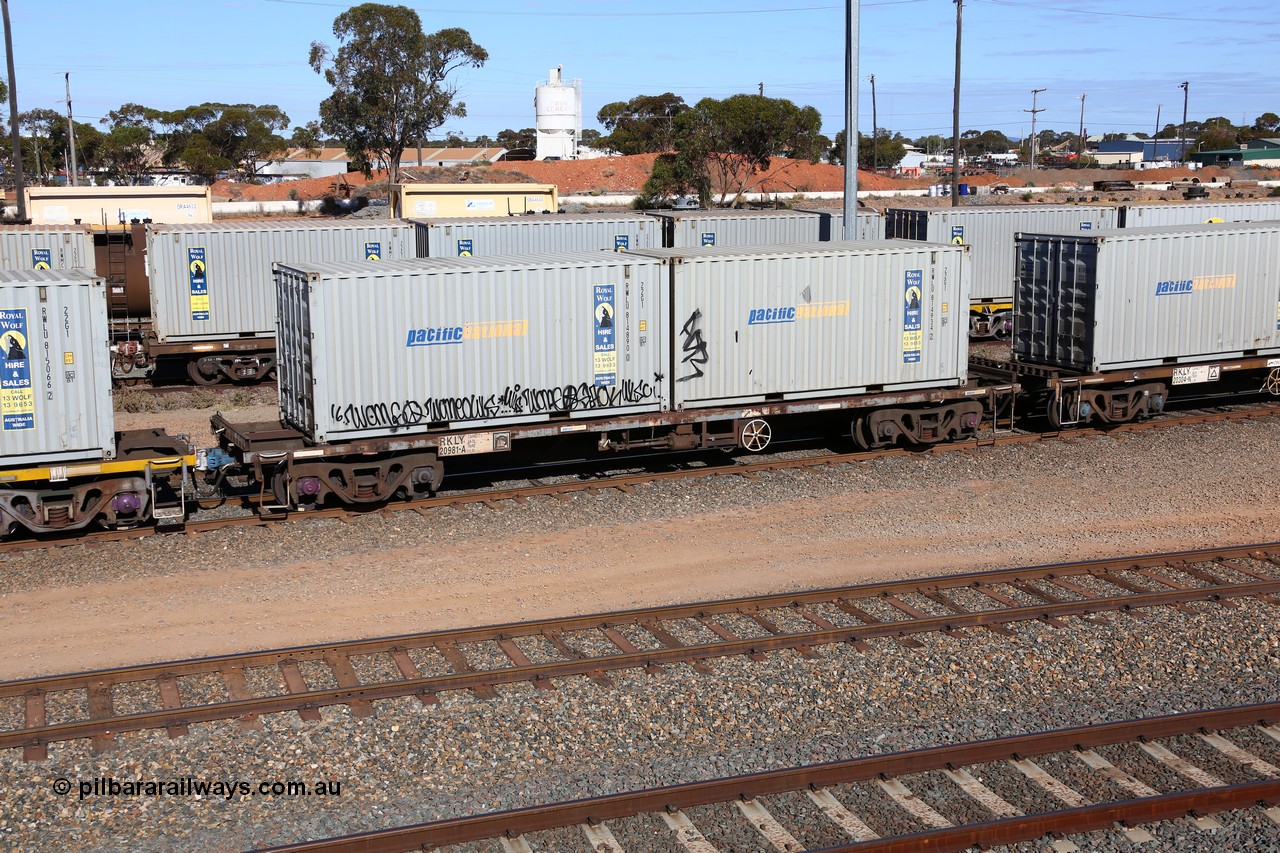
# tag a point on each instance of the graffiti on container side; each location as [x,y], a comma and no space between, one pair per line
[694,346]
[515,400]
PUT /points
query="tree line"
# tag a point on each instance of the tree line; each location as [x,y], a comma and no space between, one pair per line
[392,87]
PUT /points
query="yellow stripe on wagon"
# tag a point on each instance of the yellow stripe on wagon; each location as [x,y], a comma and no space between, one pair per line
[59,473]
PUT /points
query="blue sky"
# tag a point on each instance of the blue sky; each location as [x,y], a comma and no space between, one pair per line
[1127,57]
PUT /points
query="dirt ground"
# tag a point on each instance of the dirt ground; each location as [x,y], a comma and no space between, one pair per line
[230,591]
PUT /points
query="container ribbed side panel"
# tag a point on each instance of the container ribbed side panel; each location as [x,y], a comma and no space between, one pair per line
[24,247]
[1199,213]
[531,235]
[816,322]
[237,260]
[55,343]
[465,343]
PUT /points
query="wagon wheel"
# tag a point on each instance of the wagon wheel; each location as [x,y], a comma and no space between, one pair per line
[1272,385]
[756,434]
[198,371]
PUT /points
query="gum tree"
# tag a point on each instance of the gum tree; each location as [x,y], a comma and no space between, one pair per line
[390,81]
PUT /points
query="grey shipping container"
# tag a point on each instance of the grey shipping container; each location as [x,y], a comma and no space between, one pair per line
[469,342]
[44,247]
[753,324]
[1197,213]
[989,229]
[831,224]
[473,236]
[696,228]
[1139,297]
[55,397]
[213,280]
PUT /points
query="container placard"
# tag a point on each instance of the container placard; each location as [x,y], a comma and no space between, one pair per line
[1199,373]
[605,365]
[957,234]
[621,241]
[708,238]
[41,259]
[912,336]
[1086,226]
[479,204]
[463,445]
[424,208]
[17,398]
[373,251]
[465,249]
[198,274]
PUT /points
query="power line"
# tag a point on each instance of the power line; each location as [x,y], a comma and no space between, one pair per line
[471,11]
[1172,18]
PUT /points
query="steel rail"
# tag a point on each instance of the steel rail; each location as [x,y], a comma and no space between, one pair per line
[597,810]
[628,482]
[35,736]
[772,601]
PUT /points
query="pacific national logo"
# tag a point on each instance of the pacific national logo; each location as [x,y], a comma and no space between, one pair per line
[434,336]
[792,313]
[1179,287]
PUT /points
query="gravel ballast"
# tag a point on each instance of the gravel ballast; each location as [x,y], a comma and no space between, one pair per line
[174,596]
[413,763]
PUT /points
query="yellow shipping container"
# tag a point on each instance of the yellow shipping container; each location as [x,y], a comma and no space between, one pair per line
[98,206]
[412,200]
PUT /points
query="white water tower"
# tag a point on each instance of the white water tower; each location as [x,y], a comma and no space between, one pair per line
[559,122]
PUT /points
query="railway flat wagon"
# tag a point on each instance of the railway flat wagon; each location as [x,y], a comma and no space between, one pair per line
[213,298]
[46,247]
[1197,213]
[697,228]
[989,229]
[1116,320]
[535,235]
[62,463]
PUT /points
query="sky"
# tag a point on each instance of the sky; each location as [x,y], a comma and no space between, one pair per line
[1125,58]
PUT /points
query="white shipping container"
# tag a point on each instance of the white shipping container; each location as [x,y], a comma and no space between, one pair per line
[1198,213]
[989,229]
[55,397]
[831,224]
[213,281]
[43,247]
[412,346]
[757,324]
[697,228]
[535,235]
[1140,297]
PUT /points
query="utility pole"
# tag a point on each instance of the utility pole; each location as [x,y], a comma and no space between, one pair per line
[1182,148]
[852,10]
[1080,153]
[1033,111]
[71,134]
[955,117]
[762,90]
[875,150]
[19,188]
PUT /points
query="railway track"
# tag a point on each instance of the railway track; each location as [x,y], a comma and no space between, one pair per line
[305,679]
[628,482]
[608,824]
